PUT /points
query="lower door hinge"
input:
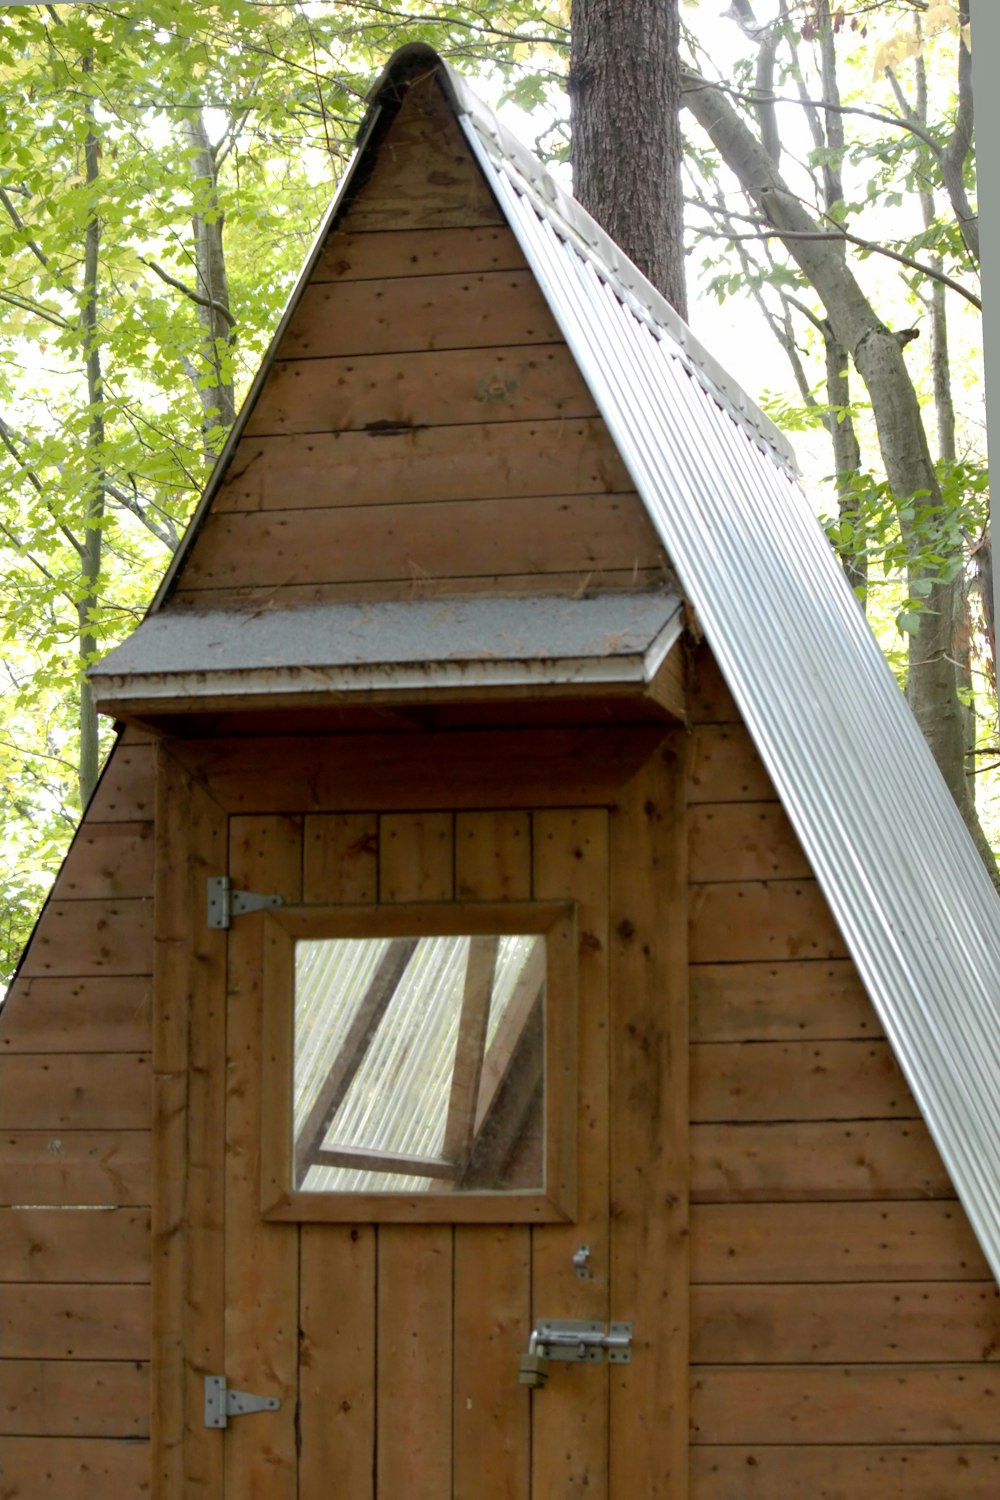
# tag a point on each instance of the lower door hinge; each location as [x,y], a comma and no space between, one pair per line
[224,903]
[221,1403]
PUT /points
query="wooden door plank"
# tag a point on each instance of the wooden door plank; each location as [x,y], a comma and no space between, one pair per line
[89,1092]
[570,1416]
[340,859]
[77,1015]
[817,1161]
[520,383]
[901,1472]
[789,1242]
[188,1133]
[74,1398]
[862,1404]
[348,256]
[436,540]
[467,310]
[92,937]
[744,841]
[492,1433]
[74,1322]
[650,1270]
[777,1001]
[75,1167]
[881,1323]
[54,1244]
[415,1262]
[261,1259]
[816,1080]
[75,1468]
[490,461]
[777,919]
[337,1271]
[107,860]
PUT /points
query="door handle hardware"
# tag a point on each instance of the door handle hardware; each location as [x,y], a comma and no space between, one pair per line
[577,1340]
[221,1403]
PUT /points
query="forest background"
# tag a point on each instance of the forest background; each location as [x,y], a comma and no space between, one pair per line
[164,165]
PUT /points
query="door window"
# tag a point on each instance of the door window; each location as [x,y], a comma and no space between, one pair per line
[423,1055]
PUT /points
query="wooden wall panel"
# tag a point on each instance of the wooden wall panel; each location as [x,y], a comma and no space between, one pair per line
[821,999]
[74,1322]
[815,1080]
[99,1398]
[77,1015]
[806,1242]
[734,922]
[432,540]
[518,383]
[350,256]
[427,178]
[76,938]
[48,1244]
[51,1468]
[95,1091]
[467,310]
[839,1295]
[859,1323]
[823,1472]
[816,1160]
[71,1167]
[75,1114]
[489,461]
[901,1403]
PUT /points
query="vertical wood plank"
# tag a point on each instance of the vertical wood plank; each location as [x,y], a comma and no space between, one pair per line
[415,1262]
[337,1288]
[188,1124]
[649,1133]
[570,1417]
[265,854]
[492,1264]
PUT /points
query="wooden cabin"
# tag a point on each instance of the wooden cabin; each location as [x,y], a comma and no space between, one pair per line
[503,636]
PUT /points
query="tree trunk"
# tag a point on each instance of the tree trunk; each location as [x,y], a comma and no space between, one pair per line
[624,86]
[932,687]
[218,401]
[90,545]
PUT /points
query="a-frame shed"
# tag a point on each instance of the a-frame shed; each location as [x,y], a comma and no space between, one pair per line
[723,1060]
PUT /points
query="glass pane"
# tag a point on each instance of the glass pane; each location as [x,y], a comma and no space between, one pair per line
[419,1064]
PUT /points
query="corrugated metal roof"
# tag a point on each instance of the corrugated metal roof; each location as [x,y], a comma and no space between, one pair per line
[894,859]
[416,643]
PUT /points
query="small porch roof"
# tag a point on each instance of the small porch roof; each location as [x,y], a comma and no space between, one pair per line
[177,661]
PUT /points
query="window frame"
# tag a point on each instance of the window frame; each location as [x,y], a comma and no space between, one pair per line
[283,927]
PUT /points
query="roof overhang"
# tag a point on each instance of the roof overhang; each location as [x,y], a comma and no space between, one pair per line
[391,651]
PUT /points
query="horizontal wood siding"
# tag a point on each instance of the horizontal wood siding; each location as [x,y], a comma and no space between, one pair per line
[75,1162]
[838,1293]
[423,428]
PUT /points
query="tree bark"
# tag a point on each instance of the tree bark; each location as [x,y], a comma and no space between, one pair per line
[624,87]
[932,686]
[218,401]
[90,545]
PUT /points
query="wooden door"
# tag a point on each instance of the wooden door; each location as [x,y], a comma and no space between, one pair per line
[394,1348]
